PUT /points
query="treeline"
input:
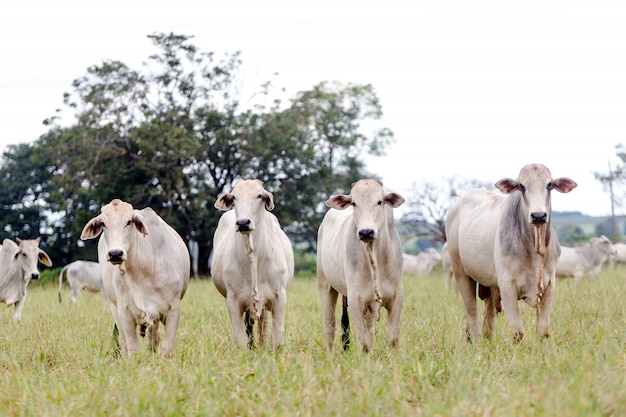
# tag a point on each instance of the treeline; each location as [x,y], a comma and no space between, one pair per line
[172,136]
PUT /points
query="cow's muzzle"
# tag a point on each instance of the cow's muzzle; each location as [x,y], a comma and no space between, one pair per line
[116,256]
[34,275]
[539,217]
[367,235]
[243,225]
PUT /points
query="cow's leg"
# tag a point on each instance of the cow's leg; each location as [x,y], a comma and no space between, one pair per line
[328,297]
[489,317]
[235,312]
[278,318]
[543,311]
[169,331]
[75,291]
[490,296]
[119,343]
[394,309]
[153,337]
[264,327]
[363,317]
[511,310]
[578,276]
[467,289]
[19,305]
[371,312]
[128,328]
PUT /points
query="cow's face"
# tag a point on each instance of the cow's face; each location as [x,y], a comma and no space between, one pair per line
[120,224]
[250,200]
[28,254]
[604,245]
[368,200]
[535,183]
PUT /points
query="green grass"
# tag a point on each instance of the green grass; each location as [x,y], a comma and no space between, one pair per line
[56,362]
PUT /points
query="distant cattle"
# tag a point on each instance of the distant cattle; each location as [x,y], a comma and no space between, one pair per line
[619,256]
[585,260]
[446,265]
[359,255]
[422,263]
[18,265]
[145,272]
[506,245]
[252,263]
[81,275]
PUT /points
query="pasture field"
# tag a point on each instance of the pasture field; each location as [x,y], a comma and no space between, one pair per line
[56,362]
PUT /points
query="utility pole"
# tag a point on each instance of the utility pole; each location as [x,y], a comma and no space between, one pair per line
[613,219]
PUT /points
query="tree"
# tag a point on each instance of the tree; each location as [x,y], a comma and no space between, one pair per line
[428,205]
[175,135]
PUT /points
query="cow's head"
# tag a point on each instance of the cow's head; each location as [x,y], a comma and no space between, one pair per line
[119,223]
[368,201]
[535,183]
[250,200]
[604,245]
[28,254]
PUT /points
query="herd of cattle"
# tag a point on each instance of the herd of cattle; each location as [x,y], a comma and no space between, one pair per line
[500,246]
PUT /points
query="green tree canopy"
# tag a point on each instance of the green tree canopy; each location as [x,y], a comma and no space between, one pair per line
[175,134]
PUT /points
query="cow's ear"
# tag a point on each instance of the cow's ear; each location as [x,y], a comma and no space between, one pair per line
[563,185]
[269,200]
[339,202]
[139,224]
[394,200]
[92,229]
[507,185]
[224,201]
[44,258]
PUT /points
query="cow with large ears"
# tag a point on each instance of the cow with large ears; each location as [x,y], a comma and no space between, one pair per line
[503,246]
[18,265]
[145,268]
[252,263]
[359,256]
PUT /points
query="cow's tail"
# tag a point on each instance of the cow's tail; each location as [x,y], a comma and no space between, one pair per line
[61,281]
[345,323]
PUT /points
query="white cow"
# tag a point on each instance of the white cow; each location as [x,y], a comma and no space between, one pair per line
[145,272]
[585,260]
[619,256]
[506,245]
[81,275]
[359,255]
[18,265]
[252,263]
[422,263]
[446,265]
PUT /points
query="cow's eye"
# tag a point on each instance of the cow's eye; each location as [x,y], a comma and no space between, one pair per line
[522,188]
[23,254]
[260,196]
[128,223]
[549,187]
[380,202]
[353,204]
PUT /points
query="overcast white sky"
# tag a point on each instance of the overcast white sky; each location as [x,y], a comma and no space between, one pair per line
[470,88]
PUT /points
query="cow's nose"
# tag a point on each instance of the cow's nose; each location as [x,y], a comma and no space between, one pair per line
[366,234]
[34,275]
[539,217]
[243,225]
[116,256]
